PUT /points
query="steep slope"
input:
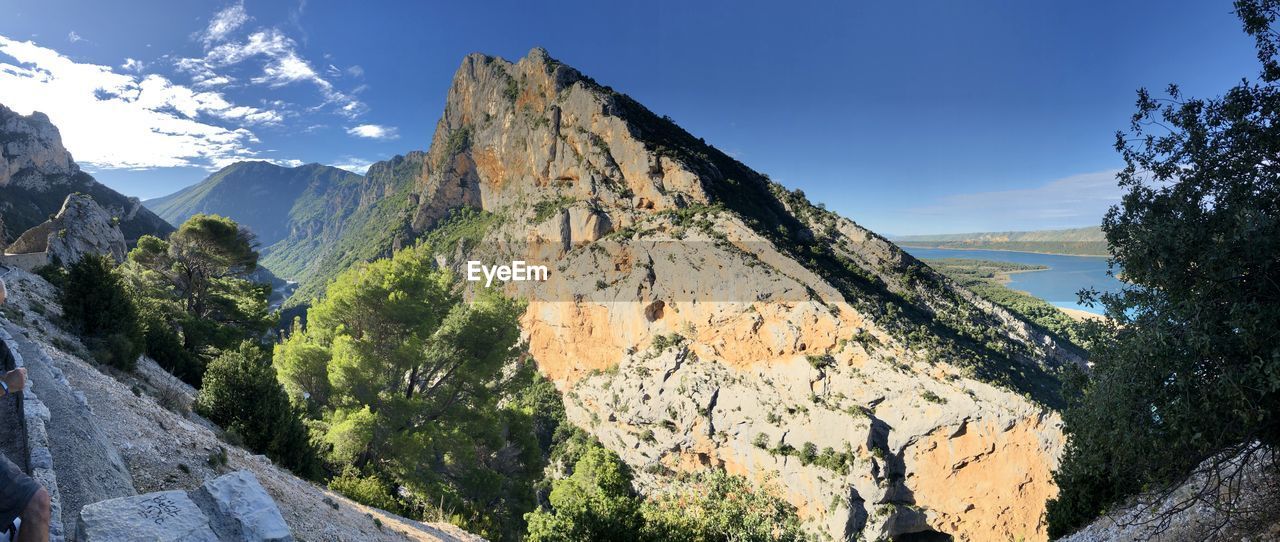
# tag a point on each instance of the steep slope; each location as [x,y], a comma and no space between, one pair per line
[1088,241]
[698,314]
[141,422]
[351,222]
[37,174]
[268,198]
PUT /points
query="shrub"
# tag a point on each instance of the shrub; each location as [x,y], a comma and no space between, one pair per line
[97,306]
[241,394]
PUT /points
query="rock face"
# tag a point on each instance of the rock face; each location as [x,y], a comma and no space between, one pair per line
[232,507]
[81,227]
[1231,496]
[699,315]
[32,149]
[37,174]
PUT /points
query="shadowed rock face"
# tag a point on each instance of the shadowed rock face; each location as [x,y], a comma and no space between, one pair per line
[37,174]
[81,227]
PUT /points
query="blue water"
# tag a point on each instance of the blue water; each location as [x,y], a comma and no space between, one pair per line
[1057,285]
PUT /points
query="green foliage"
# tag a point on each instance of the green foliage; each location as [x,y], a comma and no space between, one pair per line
[194,294]
[411,384]
[713,506]
[369,490]
[597,502]
[512,89]
[544,209]
[463,227]
[1190,366]
[986,278]
[241,394]
[822,361]
[97,306]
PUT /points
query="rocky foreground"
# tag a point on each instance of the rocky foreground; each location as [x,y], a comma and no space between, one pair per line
[126,434]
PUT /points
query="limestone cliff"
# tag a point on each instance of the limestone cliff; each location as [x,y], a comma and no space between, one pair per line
[37,174]
[80,228]
[698,314]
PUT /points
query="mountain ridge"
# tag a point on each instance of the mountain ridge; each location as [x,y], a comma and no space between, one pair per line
[1084,241]
[268,198]
[700,315]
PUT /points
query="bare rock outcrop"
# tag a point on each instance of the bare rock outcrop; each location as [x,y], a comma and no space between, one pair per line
[699,315]
[32,148]
[37,173]
[81,227]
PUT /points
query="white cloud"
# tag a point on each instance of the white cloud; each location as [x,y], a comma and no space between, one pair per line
[73,37]
[282,65]
[132,65]
[355,71]
[117,120]
[354,165]
[1076,200]
[223,23]
[373,131]
[291,162]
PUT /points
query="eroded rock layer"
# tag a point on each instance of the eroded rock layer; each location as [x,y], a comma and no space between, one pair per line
[698,314]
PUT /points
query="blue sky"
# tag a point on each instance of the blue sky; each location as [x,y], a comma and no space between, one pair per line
[908,117]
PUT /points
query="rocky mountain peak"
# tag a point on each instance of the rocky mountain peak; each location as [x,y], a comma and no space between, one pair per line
[700,314]
[30,148]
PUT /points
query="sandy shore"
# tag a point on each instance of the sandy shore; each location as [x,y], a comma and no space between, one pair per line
[1080,316]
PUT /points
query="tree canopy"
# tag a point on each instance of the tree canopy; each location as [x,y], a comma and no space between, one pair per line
[411,385]
[1188,368]
[195,293]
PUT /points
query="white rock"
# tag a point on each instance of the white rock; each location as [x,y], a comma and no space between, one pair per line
[241,501]
[167,516]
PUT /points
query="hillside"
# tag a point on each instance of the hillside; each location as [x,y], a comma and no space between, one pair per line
[274,201]
[699,315]
[352,221]
[37,174]
[1088,241]
[114,433]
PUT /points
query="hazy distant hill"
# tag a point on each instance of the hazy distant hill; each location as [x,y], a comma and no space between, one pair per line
[1088,241]
[269,198]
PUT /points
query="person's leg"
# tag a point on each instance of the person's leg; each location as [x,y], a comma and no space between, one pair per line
[35,519]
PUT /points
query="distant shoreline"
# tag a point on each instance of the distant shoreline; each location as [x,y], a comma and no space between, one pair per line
[1081,316]
[904,245]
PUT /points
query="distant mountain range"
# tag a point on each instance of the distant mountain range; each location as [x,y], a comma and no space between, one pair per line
[1087,241]
[271,200]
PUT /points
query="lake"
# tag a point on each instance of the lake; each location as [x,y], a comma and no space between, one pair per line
[1058,284]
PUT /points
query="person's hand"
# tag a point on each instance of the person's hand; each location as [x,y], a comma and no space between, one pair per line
[16,379]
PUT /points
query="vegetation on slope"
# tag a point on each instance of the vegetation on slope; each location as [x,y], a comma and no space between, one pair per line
[987,278]
[340,229]
[188,303]
[1190,367]
[1076,241]
[918,307]
[268,199]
